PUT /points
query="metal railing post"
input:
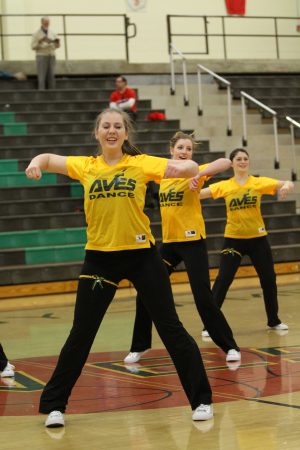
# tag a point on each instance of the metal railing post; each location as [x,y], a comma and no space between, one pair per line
[229,112]
[293,123]
[244,139]
[275,126]
[65,37]
[200,98]
[200,101]
[173,87]
[294,171]
[185,85]
[174,50]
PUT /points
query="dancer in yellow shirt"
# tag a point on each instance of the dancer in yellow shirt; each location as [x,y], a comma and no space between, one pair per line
[245,232]
[120,246]
[183,236]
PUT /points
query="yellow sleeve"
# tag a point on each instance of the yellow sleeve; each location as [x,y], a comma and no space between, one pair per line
[206,177]
[266,185]
[76,166]
[154,168]
[218,190]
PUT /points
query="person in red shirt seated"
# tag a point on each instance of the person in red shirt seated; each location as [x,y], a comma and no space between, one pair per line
[123,98]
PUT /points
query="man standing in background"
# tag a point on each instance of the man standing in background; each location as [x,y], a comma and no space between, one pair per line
[45,42]
[123,97]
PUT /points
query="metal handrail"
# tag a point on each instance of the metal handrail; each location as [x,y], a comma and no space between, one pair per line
[224,35]
[293,123]
[200,97]
[174,51]
[275,124]
[65,34]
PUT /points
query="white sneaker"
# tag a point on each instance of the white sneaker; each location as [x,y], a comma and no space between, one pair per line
[233,365]
[134,357]
[233,355]
[55,420]
[203,412]
[205,333]
[8,371]
[280,326]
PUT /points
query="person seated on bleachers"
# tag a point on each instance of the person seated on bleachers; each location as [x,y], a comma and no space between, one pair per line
[12,76]
[124,98]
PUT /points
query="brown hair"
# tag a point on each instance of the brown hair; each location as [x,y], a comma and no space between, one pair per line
[127,146]
[181,135]
[236,151]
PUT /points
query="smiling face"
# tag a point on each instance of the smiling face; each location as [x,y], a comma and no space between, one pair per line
[240,163]
[183,149]
[111,132]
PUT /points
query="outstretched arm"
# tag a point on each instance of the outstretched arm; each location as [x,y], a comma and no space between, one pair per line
[181,169]
[284,187]
[217,166]
[46,162]
[205,193]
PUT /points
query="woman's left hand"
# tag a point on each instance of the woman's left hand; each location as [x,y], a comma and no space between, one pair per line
[194,183]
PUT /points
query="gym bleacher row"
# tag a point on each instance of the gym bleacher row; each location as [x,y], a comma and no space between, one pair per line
[42,233]
[279,92]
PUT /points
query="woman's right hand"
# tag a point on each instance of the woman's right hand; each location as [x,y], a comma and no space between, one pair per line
[33,172]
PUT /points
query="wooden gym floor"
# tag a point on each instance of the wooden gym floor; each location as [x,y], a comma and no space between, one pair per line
[257,405]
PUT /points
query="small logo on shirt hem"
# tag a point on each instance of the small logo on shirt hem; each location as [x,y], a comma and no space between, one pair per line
[190,233]
[140,238]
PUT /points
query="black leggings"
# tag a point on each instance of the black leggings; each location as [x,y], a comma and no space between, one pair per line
[145,269]
[3,359]
[259,251]
[194,255]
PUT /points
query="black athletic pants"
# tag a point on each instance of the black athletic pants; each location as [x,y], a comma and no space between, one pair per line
[146,270]
[194,255]
[259,251]
[3,359]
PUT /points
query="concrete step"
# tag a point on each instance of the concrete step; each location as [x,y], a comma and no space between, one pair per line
[66,105]
[69,127]
[76,219]
[260,92]
[16,96]
[61,83]
[262,80]
[54,253]
[19,274]
[72,116]
[84,137]
[20,204]
[158,148]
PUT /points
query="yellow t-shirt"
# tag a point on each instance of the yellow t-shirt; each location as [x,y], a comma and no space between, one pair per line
[244,219]
[114,198]
[181,211]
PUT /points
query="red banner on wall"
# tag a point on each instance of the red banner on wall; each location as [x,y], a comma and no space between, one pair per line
[236,7]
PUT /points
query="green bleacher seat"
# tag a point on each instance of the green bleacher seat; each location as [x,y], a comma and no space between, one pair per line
[9,165]
[36,238]
[53,254]
[10,179]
